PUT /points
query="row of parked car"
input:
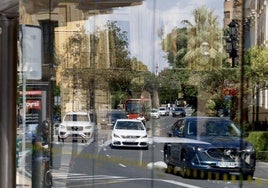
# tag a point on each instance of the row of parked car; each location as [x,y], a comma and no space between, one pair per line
[163,111]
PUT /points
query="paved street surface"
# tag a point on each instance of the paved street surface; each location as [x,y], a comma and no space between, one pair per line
[117,166]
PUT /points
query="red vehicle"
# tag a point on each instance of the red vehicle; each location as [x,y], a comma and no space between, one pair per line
[138,108]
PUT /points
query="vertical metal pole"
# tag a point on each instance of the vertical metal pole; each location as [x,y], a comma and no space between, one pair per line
[242,93]
[8,88]
[23,118]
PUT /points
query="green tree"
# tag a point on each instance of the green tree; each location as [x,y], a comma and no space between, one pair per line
[126,75]
[197,55]
[119,73]
[256,72]
[175,45]
[257,65]
[204,44]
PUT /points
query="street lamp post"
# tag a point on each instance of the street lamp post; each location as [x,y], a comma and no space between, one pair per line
[231,41]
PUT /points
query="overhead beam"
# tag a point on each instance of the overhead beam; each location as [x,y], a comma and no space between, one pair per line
[34,6]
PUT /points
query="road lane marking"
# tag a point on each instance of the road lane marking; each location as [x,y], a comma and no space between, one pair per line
[122,165]
[117,179]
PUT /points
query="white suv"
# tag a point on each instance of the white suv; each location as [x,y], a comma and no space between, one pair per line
[77,126]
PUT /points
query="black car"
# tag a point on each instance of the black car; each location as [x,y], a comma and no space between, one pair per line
[114,115]
[208,145]
[178,112]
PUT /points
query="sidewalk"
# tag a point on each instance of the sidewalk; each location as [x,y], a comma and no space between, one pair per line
[22,180]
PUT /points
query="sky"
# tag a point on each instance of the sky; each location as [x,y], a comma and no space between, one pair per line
[143,24]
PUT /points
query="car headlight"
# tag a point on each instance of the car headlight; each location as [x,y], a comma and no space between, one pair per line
[199,149]
[249,149]
[145,136]
[88,127]
[116,136]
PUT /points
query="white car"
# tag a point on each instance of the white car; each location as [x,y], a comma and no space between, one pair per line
[155,114]
[77,126]
[129,133]
[163,111]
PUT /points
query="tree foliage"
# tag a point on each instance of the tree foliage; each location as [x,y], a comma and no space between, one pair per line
[128,76]
[196,55]
[175,45]
[257,64]
[204,44]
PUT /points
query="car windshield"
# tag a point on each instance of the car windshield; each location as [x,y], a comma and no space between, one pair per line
[178,109]
[117,115]
[212,128]
[128,125]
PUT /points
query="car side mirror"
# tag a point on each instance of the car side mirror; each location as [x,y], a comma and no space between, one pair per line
[180,134]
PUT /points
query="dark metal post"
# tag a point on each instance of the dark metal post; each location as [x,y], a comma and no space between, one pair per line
[231,41]
[8,83]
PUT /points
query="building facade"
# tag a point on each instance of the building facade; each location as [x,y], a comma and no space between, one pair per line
[64,61]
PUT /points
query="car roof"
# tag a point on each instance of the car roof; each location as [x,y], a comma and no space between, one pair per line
[130,120]
[205,118]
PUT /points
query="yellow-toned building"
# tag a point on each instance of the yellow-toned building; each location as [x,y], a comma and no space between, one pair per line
[63,62]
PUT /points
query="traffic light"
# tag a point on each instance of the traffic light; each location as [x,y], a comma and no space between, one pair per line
[232,40]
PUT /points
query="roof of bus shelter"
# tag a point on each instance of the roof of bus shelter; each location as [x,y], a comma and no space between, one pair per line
[11,7]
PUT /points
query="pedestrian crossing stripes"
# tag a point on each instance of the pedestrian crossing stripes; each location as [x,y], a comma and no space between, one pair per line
[77,176]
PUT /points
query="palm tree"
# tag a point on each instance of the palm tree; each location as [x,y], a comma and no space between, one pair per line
[204,47]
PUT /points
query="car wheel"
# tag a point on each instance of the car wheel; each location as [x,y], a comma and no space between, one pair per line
[184,170]
[112,146]
[170,168]
[48,179]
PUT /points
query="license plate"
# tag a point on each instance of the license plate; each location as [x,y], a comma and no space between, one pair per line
[130,140]
[224,164]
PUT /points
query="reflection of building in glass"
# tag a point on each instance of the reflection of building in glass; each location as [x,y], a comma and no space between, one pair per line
[59,21]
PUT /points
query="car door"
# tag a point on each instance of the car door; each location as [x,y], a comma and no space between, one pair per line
[177,147]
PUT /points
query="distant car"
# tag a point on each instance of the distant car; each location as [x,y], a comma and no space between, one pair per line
[208,145]
[112,116]
[155,114]
[163,111]
[178,112]
[76,126]
[129,133]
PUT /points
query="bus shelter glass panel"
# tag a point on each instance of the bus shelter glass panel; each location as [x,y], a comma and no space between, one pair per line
[128,57]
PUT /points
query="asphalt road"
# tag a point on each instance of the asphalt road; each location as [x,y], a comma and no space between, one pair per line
[97,165]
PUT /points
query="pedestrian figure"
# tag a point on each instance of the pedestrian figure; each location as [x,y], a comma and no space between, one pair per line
[41,176]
